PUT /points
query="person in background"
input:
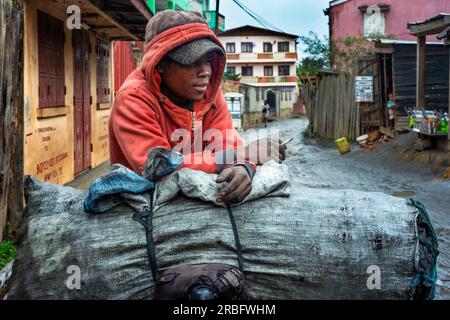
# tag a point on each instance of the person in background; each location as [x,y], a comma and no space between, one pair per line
[391,107]
[265,113]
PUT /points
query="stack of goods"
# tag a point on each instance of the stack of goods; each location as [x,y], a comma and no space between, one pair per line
[428,122]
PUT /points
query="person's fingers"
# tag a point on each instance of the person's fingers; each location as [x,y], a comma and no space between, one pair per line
[282,150]
[225,175]
[236,195]
[231,186]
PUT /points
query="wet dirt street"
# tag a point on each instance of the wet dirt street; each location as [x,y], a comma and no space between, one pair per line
[317,163]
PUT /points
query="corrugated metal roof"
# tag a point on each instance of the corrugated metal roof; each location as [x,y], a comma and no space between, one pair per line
[394,41]
[337,2]
[444,34]
[436,17]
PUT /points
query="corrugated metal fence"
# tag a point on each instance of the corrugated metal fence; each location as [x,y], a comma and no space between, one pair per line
[124,63]
[436,78]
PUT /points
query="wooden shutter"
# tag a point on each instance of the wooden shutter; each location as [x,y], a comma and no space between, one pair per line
[51,61]
[103,89]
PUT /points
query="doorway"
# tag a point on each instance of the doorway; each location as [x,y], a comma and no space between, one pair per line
[271,100]
[82,100]
[386,85]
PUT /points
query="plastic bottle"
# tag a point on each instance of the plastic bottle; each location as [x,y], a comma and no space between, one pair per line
[444,123]
[432,120]
[418,118]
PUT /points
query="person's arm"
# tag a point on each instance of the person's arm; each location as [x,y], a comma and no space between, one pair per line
[137,130]
[226,152]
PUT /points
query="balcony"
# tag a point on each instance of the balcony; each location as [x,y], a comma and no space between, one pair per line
[269,80]
[262,57]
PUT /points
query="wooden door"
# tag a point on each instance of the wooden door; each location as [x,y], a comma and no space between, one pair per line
[369,112]
[82,100]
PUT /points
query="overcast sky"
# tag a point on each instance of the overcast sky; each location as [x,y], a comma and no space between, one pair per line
[292,16]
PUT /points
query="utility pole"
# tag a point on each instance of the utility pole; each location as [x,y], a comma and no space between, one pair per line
[216,26]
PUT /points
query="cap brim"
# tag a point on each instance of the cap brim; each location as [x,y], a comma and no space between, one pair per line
[191,52]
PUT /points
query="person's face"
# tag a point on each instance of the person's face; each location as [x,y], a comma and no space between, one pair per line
[186,83]
[391,97]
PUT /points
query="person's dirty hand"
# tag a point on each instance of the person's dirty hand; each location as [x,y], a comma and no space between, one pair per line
[264,150]
[239,184]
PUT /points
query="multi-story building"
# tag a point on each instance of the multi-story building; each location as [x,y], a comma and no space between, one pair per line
[266,62]
[387,18]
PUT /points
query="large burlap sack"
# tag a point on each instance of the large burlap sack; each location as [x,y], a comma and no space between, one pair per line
[315,244]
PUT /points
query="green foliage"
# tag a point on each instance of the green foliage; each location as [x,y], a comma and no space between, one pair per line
[318,55]
[338,55]
[231,76]
[347,51]
[7,253]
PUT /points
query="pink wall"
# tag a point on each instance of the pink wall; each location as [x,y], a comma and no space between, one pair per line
[348,20]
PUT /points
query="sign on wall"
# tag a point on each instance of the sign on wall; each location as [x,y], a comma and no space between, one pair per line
[364,89]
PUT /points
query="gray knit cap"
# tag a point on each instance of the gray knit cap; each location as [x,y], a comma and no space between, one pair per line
[187,53]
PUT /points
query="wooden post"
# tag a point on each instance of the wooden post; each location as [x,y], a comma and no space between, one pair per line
[421,61]
[385,119]
[11,112]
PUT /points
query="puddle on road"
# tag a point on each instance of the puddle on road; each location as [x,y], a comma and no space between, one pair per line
[403,194]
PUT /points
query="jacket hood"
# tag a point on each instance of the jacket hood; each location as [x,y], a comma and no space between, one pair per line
[162,43]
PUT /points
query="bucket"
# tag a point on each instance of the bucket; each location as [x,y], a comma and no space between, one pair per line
[343,145]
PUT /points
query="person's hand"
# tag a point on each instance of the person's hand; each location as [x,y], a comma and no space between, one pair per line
[263,150]
[238,184]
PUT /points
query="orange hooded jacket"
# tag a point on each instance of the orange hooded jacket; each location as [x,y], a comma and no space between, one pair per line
[143,117]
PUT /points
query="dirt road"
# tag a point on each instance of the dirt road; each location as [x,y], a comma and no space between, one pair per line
[318,164]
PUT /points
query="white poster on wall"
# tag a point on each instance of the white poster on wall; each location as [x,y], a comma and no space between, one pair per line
[364,89]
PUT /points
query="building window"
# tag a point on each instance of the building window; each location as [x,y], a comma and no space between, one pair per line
[268,71]
[231,47]
[51,61]
[246,47]
[374,21]
[283,70]
[247,71]
[231,70]
[267,47]
[283,46]
[103,89]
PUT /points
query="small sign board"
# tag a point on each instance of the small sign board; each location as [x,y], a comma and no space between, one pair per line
[364,89]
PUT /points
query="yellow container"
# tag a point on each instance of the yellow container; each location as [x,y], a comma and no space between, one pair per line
[343,145]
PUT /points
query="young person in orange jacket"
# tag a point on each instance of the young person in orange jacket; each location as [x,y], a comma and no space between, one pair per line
[173,100]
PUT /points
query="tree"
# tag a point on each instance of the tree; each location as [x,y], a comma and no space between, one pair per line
[231,76]
[318,54]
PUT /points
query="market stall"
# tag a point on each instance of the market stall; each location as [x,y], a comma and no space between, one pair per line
[431,125]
